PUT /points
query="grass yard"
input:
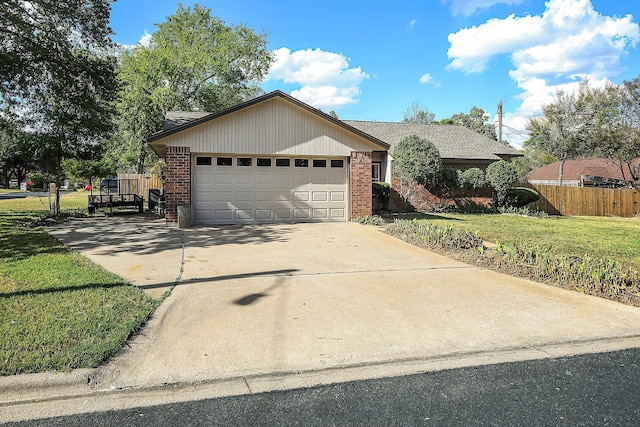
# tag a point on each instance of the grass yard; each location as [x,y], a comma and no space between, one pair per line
[615,238]
[58,310]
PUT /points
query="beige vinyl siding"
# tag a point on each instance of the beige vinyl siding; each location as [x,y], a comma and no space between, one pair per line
[271,127]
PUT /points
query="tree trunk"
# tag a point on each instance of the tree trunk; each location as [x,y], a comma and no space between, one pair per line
[561,172]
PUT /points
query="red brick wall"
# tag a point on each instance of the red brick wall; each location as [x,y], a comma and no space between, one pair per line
[409,196]
[361,187]
[178,186]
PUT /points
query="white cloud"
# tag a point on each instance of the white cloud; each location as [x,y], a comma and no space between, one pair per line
[469,7]
[326,78]
[145,40]
[412,24]
[427,78]
[549,52]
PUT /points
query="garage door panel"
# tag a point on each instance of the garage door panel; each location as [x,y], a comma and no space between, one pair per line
[301,196]
[337,196]
[283,196]
[244,179]
[244,196]
[223,215]
[221,179]
[338,214]
[282,214]
[264,214]
[319,196]
[301,213]
[251,194]
[264,196]
[320,213]
[244,214]
[224,196]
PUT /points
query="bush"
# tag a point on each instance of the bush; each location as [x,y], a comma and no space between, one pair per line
[473,178]
[501,175]
[381,194]
[448,179]
[37,179]
[519,197]
[417,159]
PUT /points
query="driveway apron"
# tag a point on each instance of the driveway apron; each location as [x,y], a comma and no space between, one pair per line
[304,298]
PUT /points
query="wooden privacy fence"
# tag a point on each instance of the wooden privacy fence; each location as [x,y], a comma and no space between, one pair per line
[588,201]
[133,183]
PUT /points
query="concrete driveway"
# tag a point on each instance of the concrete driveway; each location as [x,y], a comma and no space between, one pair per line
[277,306]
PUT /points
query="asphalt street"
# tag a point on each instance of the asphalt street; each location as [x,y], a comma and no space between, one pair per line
[591,390]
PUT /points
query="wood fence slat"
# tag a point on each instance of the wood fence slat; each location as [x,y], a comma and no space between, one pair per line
[139,183]
[587,201]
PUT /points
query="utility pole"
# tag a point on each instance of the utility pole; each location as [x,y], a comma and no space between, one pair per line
[500,121]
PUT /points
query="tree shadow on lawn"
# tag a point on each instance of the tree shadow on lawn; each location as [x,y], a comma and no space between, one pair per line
[425,216]
[20,240]
[41,291]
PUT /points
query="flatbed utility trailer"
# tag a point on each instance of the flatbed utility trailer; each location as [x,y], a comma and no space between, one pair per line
[116,193]
[97,201]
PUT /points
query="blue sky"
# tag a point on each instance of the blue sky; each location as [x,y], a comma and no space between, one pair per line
[372,60]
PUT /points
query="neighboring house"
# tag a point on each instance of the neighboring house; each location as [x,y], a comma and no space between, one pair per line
[583,172]
[277,159]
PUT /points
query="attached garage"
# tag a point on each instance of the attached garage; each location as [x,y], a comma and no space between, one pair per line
[272,159]
[243,189]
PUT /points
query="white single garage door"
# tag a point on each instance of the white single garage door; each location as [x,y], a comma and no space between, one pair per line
[263,189]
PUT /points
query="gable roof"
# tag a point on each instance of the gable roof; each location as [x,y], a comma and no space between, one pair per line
[452,141]
[177,121]
[573,169]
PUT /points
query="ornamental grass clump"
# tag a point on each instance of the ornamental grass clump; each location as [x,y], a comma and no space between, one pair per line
[427,234]
[586,274]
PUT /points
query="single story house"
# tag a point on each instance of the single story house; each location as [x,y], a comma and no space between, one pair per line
[581,172]
[276,159]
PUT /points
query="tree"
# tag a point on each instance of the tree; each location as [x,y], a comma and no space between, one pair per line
[194,62]
[477,120]
[565,130]
[417,114]
[57,75]
[501,175]
[86,169]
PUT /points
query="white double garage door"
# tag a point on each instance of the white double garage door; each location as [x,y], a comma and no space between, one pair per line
[262,189]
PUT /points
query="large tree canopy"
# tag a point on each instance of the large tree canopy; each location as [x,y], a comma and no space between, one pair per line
[601,121]
[417,114]
[477,120]
[57,74]
[194,62]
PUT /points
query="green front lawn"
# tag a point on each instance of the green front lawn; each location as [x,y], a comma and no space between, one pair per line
[598,237]
[58,310]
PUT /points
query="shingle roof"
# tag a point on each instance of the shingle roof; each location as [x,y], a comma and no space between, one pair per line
[453,141]
[178,118]
[573,169]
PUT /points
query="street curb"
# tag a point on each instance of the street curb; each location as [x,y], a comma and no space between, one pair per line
[18,389]
[34,396]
